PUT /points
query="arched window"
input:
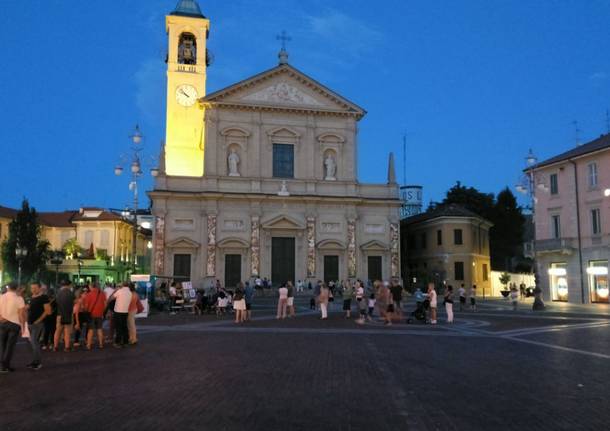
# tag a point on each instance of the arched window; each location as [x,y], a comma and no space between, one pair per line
[187,49]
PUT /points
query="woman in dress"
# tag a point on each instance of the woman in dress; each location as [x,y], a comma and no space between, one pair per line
[432,298]
[282,301]
[323,300]
[239,303]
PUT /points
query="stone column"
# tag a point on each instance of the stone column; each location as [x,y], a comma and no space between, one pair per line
[255,246]
[159,256]
[351,248]
[211,264]
[311,246]
[394,250]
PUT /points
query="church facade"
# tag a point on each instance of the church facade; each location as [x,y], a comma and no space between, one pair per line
[260,178]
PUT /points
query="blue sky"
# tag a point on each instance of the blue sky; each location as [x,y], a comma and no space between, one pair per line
[473,83]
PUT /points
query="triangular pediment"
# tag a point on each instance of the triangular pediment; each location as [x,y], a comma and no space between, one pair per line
[282,222]
[182,242]
[283,87]
[374,245]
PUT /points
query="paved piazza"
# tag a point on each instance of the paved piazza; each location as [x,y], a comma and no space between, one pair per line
[491,370]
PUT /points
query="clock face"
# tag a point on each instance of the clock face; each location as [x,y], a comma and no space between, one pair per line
[186,95]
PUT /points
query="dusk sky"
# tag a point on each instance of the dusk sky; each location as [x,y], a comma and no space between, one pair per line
[473,83]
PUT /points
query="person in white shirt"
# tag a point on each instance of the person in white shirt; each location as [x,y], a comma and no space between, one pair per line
[121,311]
[12,323]
[108,291]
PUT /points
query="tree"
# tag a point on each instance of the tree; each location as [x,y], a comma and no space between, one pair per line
[506,236]
[24,231]
[71,248]
[472,199]
[504,279]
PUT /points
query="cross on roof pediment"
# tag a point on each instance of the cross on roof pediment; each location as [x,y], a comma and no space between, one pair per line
[283,87]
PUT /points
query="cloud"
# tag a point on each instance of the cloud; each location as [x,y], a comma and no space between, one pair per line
[353,37]
[150,90]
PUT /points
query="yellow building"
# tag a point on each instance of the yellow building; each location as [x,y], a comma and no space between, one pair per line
[449,246]
[6,216]
[104,237]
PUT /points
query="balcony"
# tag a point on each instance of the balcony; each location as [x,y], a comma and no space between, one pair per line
[557,245]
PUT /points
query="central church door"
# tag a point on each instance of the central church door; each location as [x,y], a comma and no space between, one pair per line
[282,260]
[232,270]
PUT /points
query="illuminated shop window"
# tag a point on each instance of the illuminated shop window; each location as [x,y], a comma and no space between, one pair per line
[558,275]
[598,280]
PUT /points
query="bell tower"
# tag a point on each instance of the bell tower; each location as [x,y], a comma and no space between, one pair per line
[187,30]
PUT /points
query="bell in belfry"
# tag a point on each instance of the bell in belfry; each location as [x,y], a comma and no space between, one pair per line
[187,52]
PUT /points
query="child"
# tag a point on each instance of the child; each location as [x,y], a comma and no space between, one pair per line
[371,306]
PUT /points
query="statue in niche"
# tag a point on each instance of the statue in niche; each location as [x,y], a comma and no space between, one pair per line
[233,161]
[187,49]
[330,167]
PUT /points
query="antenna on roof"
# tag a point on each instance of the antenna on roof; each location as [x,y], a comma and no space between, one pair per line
[576,132]
[404,158]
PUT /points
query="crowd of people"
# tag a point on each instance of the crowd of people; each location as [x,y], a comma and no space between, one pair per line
[68,319]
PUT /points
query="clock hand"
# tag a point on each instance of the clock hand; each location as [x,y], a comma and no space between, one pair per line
[182,91]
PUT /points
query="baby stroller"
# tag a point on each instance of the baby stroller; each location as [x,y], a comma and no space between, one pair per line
[420,312]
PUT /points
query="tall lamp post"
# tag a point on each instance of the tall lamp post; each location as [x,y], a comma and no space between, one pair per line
[20,253]
[527,186]
[135,168]
[57,260]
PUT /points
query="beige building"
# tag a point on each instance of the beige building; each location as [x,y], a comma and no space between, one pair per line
[274,191]
[447,245]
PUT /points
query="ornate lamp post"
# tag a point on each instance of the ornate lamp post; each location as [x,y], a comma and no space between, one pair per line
[20,253]
[57,260]
[527,186]
[135,167]
[79,262]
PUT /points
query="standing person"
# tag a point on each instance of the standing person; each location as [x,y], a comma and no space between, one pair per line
[248,296]
[65,309]
[522,290]
[371,304]
[282,301]
[12,323]
[449,303]
[38,310]
[473,298]
[514,297]
[95,304]
[239,303]
[290,301]
[433,303]
[135,307]
[121,311]
[347,293]
[76,317]
[49,323]
[396,291]
[109,292]
[323,300]
[361,301]
[462,294]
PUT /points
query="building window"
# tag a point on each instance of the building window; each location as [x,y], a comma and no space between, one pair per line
[558,276]
[555,226]
[485,272]
[439,237]
[596,227]
[554,185]
[592,170]
[88,238]
[459,270]
[457,236]
[105,239]
[283,160]
[424,241]
[182,267]
[598,280]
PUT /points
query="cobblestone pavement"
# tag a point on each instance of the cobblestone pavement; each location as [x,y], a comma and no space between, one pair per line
[491,370]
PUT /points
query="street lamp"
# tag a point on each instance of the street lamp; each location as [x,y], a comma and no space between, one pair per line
[57,260]
[135,167]
[527,186]
[20,253]
[80,266]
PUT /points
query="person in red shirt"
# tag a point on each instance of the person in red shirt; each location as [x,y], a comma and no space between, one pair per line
[95,304]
